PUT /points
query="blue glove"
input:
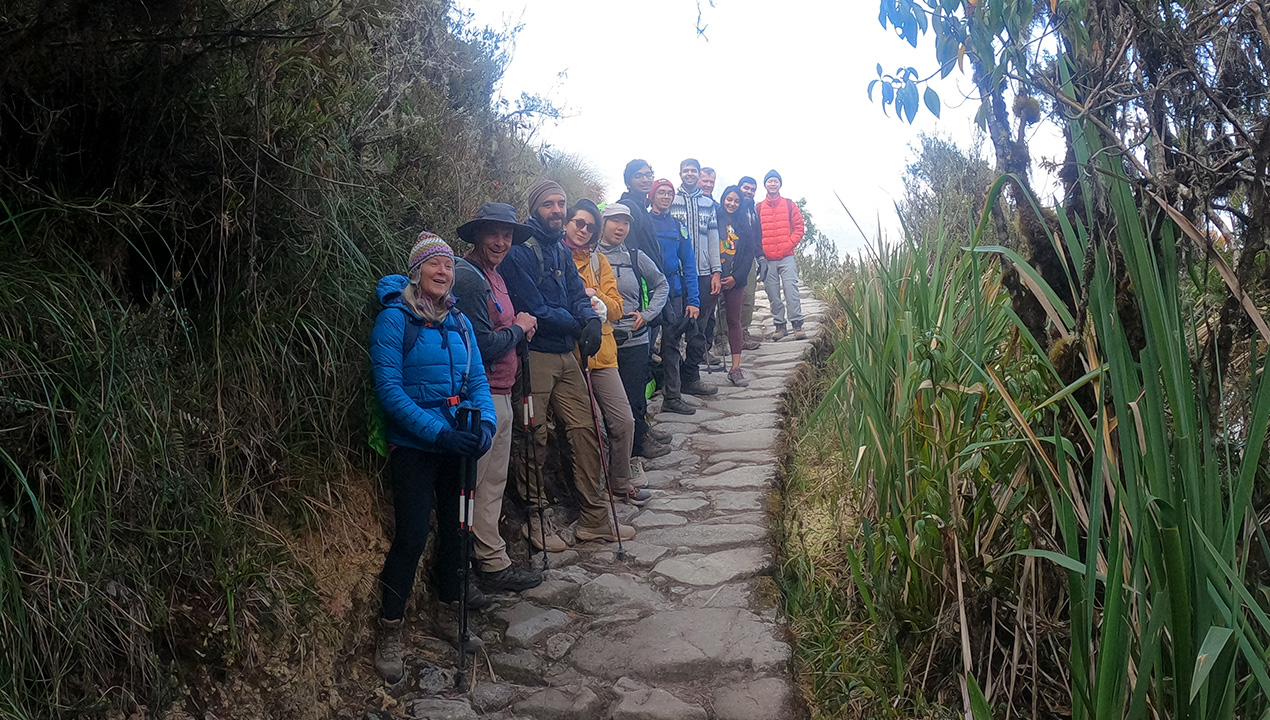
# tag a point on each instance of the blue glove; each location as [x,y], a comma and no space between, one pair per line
[457,442]
[487,437]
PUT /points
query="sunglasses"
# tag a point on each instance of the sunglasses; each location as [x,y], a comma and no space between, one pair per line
[581,224]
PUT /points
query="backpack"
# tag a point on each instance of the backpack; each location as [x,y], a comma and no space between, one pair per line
[376,417]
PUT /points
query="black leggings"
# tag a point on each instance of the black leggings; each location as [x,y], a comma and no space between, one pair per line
[419,480]
[632,366]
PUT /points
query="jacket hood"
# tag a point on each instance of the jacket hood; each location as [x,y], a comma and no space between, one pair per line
[542,232]
[390,291]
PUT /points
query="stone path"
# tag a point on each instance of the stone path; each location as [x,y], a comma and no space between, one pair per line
[687,628]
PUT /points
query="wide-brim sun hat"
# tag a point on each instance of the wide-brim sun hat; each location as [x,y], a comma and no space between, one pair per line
[497,213]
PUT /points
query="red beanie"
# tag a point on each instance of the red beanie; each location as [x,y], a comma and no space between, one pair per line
[658,183]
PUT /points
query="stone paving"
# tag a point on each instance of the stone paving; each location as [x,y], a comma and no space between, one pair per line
[687,628]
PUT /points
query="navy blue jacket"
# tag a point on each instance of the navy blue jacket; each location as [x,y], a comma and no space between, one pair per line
[433,370]
[553,292]
[679,258]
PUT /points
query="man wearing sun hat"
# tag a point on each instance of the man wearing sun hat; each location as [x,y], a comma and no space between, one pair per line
[543,281]
[481,294]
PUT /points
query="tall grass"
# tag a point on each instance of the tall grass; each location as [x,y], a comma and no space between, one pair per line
[1035,535]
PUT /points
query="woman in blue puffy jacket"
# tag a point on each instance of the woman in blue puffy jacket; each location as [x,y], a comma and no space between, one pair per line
[426,363]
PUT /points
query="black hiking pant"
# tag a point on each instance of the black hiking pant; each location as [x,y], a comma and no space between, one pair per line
[632,367]
[420,481]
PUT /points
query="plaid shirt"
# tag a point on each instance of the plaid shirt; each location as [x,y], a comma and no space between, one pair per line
[699,213]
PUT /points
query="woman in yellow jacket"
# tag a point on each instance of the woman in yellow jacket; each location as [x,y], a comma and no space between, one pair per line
[580,236]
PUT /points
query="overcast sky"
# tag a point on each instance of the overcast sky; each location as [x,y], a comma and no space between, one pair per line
[771,85]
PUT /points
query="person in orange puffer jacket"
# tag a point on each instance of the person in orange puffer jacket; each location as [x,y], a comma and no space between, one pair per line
[783,228]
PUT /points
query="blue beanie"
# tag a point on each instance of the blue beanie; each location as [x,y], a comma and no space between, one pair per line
[773,174]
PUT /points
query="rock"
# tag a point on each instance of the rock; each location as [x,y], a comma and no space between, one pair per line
[744,406]
[552,592]
[637,552]
[442,709]
[769,383]
[678,504]
[526,622]
[755,517]
[519,666]
[656,705]
[744,440]
[430,678]
[683,645]
[561,559]
[657,479]
[737,595]
[739,423]
[706,537]
[628,685]
[734,501]
[749,457]
[609,593]
[649,519]
[491,696]
[561,703]
[573,574]
[559,644]
[678,428]
[716,568]
[747,476]
[766,699]
[701,415]
[674,458]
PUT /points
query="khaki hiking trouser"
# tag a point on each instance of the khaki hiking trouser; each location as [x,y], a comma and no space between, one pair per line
[619,423]
[556,381]
[491,479]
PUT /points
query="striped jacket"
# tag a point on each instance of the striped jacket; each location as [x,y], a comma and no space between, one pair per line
[699,213]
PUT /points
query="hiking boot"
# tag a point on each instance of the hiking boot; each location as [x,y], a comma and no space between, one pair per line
[389,648]
[634,496]
[737,378]
[661,436]
[653,449]
[554,543]
[751,342]
[637,471]
[778,333]
[699,387]
[605,532]
[677,406]
[511,579]
[474,643]
[711,361]
[475,598]
[799,334]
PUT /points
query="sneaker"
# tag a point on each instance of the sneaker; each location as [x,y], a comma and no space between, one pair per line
[634,496]
[778,333]
[512,578]
[653,449]
[677,406]
[553,541]
[661,436]
[737,378]
[606,533]
[699,387]
[751,342]
[475,598]
[389,648]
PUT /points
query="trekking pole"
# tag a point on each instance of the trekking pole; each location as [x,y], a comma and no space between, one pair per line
[531,457]
[604,456]
[466,420]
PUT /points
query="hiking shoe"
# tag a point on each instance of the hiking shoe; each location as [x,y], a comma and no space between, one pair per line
[474,643]
[475,598]
[751,342]
[553,541]
[634,496]
[711,361]
[778,333]
[698,387]
[799,334]
[389,648]
[512,578]
[661,436]
[637,471]
[653,449]
[605,532]
[674,405]
[737,378]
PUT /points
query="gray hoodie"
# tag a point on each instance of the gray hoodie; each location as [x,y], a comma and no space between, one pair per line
[619,256]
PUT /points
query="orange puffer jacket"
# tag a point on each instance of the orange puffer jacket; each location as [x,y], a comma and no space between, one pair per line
[782,225]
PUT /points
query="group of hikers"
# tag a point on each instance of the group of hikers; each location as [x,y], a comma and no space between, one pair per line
[578,312]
